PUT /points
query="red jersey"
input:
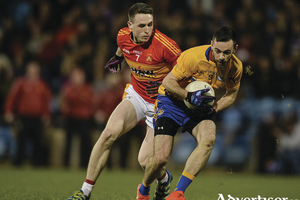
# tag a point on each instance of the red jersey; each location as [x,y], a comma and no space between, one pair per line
[149,61]
[77,101]
[28,98]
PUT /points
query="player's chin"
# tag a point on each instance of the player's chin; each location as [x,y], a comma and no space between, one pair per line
[221,64]
[145,39]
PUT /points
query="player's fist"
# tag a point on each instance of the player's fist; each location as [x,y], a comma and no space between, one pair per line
[152,89]
[198,98]
[206,112]
[114,64]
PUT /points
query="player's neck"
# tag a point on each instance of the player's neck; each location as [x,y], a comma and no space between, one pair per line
[222,72]
[135,40]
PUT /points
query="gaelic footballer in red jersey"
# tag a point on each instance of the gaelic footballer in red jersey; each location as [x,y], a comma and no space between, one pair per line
[148,61]
[150,55]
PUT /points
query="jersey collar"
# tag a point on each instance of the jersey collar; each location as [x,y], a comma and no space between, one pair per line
[148,42]
[208,54]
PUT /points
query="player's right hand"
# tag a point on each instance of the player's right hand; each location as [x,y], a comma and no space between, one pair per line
[204,112]
[198,99]
[114,64]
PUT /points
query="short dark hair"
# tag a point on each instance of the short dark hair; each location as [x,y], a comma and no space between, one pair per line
[139,8]
[224,34]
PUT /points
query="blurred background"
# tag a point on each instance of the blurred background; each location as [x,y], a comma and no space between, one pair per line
[53,53]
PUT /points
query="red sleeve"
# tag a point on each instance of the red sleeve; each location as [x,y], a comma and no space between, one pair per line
[172,55]
[122,36]
[12,96]
[171,50]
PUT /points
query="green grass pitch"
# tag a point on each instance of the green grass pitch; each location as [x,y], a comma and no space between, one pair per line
[53,184]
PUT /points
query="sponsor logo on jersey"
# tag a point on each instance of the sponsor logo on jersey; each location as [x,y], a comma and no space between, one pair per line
[160,112]
[142,72]
[126,51]
[137,52]
[149,58]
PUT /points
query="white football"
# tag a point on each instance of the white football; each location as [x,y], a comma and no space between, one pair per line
[199,85]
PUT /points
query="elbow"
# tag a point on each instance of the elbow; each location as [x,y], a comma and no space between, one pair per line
[164,83]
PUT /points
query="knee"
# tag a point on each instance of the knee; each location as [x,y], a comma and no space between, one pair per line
[209,141]
[161,160]
[107,138]
[142,161]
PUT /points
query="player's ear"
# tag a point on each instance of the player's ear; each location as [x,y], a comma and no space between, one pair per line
[129,24]
[235,48]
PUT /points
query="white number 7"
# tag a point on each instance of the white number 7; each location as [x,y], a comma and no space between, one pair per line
[137,57]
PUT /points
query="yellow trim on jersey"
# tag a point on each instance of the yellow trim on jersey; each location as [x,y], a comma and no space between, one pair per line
[167,43]
[188,175]
[124,32]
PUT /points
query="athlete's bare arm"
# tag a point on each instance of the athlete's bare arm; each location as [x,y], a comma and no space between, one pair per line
[119,52]
[170,82]
[226,101]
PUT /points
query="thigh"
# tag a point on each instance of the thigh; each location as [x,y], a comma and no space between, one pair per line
[163,145]
[122,119]
[166,126]
[144,110]
[147,146]
[167,108]
[205,131]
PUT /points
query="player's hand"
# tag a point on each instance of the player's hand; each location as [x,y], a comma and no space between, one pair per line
[152,89]
[198,99]
[204,112]
[115,64]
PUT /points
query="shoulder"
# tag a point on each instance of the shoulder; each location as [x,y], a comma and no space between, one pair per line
[197,53]
[237,63]
[161,36]
[164,41]
[124,33]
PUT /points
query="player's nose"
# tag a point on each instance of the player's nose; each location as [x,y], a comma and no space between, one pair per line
[222,57]
[147,29]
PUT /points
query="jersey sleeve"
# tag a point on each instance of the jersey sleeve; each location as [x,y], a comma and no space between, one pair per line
[170,49]
[172,53]
[13,96]
[186,65]
[122,35]
[235,75]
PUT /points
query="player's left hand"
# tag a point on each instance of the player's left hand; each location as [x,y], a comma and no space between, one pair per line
[198,99]
[205,111]
[152,89]
[114,64]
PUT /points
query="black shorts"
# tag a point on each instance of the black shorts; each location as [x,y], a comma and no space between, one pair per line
[167,126]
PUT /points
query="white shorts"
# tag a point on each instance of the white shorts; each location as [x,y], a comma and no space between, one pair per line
[144,110]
